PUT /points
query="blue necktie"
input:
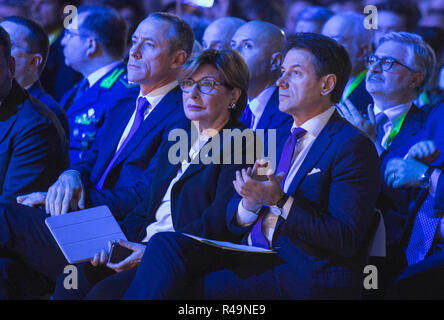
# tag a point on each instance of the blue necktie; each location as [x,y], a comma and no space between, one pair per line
[258,238]
[423,232]
[142,105]
[81,88]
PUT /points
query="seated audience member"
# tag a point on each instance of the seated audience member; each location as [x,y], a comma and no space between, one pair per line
[219,33]
[348,30]
[57,78]
[339,6]
[311,19]
[30,47]
[261,44]
[397,72]
[316,212]
[397,16]
[95,50]
[263,10]
[33,149]
[434,18]
[190,198]
[117,171]
[293,8]
[423,242]
[13,8]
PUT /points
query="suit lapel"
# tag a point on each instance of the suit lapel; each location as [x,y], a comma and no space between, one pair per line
[9,109]
[270,111]
[318,148]
[168,105]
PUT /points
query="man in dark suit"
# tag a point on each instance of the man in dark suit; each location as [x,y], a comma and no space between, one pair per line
[30,47]
[96,50]
[398,71]
[57,77]
[261,44]
[32,142]
[316,213]
[117,171]
[348,29]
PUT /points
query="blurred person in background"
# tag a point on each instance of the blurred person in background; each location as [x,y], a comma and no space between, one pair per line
[219,33]
[57,77]
[13,8]
[339,6]
[312,19]
[293,8]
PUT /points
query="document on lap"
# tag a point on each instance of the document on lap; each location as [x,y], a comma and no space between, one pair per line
[81,234]
[230,246]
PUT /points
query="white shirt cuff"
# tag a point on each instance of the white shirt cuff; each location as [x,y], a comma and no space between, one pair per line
[244,217]
[434,181]
[287,207]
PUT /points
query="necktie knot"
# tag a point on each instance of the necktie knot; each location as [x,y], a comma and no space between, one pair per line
[298,133]
[81,88]
[142,105]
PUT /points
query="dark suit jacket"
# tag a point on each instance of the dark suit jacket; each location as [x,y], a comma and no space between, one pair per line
[361,98]
[198,199]
[100,99]
[57,78]
[32,145]
[325,237]
[272,118]
[418,125]
[37,91]
[131,174]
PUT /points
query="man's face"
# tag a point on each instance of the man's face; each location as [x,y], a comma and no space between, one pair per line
[247,40]
[299,87]
[339,31]
[216,37]
[395,82]
[6,74]
[388,21]
[150,59]
[46,12]
[74,44]
[19,50]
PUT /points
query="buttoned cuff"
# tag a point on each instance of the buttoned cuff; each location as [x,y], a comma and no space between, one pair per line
[244,217]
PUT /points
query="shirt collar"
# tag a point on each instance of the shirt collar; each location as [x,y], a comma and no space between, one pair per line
[155,96]
[396,113]
[315,125]
[101,72]
[257,105]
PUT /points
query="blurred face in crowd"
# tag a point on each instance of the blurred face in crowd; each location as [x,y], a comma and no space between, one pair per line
[388,21]
[300,89]
[48,13]
[308,26]
[26,63]
[75,44]
[292,15]
[210,109]
[253,43]
[7,11]
[151,64]
[7,69]
[396,85]
[218,35]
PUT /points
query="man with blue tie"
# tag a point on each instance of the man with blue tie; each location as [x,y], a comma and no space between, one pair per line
[317,213]
[261,44]
[94,45]
[117,171]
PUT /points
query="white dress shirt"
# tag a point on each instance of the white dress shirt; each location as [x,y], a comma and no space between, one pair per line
[164,221]
[99,73]
[258,104]
[313,127]
[154,97]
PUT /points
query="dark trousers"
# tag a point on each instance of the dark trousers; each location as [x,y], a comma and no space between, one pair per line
[31,258]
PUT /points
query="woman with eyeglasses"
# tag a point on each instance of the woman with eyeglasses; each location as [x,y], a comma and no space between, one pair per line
[191,189]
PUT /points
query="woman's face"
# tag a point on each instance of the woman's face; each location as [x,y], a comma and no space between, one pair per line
[209,109]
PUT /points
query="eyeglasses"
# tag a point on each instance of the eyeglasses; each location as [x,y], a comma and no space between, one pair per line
[70,33]
[205,86]
[386,62]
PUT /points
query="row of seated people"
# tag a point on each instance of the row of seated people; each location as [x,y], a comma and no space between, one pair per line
[316,211]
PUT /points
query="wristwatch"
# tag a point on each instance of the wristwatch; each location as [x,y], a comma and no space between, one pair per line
[424,181]
[280,204]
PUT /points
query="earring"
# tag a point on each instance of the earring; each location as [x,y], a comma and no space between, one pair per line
[232,106]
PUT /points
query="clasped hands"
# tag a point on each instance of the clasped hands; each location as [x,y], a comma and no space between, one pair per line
[407,172]
[259,186]
[66,194]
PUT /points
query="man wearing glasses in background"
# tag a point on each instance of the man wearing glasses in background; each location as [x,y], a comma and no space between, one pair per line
[397,72]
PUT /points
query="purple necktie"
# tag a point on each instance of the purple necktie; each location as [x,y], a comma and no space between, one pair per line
[258,238]
[142,105]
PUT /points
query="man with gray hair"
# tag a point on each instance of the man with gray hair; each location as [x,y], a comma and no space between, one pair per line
[397,72]
[348,30]
[219,33]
